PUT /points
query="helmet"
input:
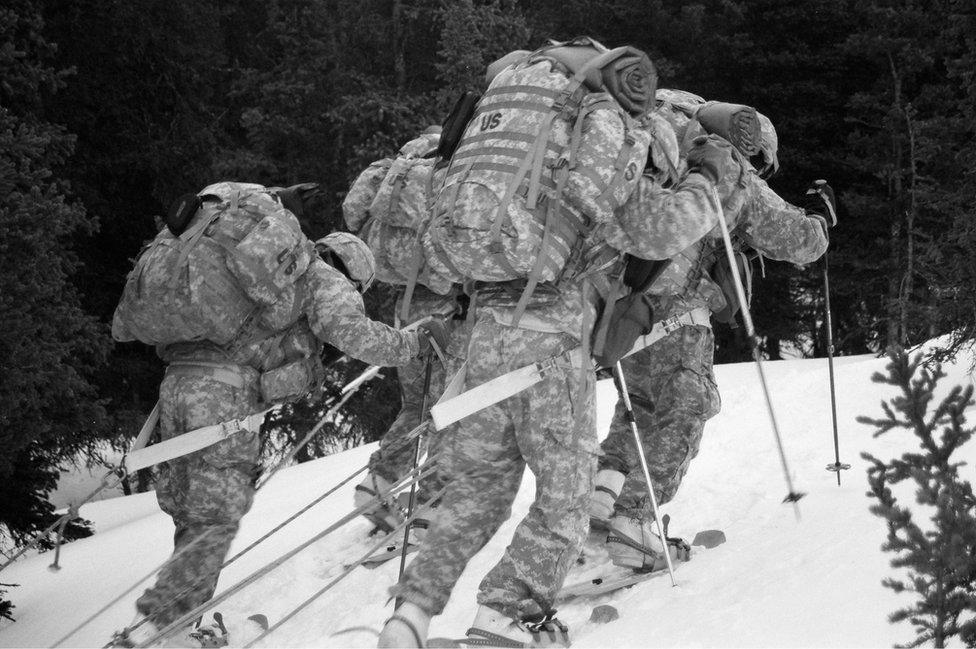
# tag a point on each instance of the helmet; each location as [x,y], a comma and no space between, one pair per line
[350,255]
[423,145]
[766,161]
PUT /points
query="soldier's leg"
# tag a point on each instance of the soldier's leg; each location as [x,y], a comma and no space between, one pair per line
[685,397]
[206,493]
[394,457]
[556,434]
[184,584]
[482,457]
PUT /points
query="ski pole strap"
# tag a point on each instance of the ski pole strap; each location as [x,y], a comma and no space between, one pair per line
[192,441]
[455,404]
[662,328]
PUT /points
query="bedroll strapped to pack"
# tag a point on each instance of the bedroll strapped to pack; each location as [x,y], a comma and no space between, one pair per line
[692,116]
[231,274]
[556,143]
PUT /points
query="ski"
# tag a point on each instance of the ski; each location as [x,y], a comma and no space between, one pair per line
[624,578]
[392,552]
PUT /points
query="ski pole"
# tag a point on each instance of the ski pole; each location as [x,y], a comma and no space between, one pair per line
[793,496]
[405,525]
[346,393]
[168,630]
[632,419]
[409,437]
[416,461]
[837,466]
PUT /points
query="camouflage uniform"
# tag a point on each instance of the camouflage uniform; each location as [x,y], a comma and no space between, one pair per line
[394,457]
[549,427]
[208,492]
[671,384]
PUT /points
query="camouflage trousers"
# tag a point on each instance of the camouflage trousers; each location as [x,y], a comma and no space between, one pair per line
[673,392]
[206,493]
[549,427]
[394,457]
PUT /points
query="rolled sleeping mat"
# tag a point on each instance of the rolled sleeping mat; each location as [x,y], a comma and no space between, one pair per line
[736,123]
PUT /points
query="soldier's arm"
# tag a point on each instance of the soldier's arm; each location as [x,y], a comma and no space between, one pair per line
[337,316]
[780,230]
[658,223]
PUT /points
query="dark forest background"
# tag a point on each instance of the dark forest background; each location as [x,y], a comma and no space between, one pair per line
[109,109]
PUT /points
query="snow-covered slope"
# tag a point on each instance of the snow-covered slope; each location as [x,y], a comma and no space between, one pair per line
[777,582]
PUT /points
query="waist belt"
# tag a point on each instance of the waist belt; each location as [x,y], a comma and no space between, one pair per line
[237,376]
[456,403]
[663,328]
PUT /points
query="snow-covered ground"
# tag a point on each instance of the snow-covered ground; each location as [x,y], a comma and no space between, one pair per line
[777,582]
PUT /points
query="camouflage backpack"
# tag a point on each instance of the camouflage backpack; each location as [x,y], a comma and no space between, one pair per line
[388,205]
[556,143]
[229,276]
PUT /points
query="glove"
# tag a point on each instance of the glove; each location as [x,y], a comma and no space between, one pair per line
[820,196]
[433,334]
[710,157]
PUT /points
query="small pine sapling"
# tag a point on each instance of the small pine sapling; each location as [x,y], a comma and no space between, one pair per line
[940,557]
[6,606]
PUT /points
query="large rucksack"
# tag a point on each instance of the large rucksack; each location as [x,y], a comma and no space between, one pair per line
[388,206]
[229,276]
[555,145]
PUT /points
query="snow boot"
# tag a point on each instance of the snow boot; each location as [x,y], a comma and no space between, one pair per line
[632,544]
[139,631]
[494,629]
[407,627]
[211,635]
[606,490]
[385,514]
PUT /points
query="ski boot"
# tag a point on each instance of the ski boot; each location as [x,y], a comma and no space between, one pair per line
[139,631]
[385,514]
[606,490]
[407,627]
[494,629]
[632,544]
[211,635]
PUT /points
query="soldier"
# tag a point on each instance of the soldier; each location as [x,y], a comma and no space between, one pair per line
[548,427]
[208,492]
[671,384]
[395,456]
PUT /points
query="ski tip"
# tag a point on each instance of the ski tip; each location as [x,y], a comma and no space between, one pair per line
[604,613]
[709,538]
[260,619]
[357,629]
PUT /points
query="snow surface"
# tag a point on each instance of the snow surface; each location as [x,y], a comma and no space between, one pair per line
[777,582]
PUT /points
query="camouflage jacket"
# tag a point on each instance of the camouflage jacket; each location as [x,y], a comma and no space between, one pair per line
[655,223]
[333,312]
[764,222]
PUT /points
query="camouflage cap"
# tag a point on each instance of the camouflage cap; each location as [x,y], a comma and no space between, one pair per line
[422,145]
[350,255]
[766,161]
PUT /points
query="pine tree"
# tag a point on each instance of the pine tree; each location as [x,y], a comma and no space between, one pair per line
[939,556]
[49,348]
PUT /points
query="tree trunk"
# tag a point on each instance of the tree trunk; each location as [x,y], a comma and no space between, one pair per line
[399,63]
